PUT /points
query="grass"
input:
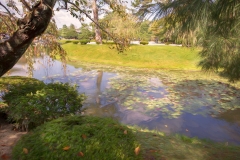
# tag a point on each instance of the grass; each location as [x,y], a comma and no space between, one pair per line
[84,137]
[153,57]
[78,137]
[156,145]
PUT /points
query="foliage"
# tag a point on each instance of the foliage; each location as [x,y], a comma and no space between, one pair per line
[80,9]
[46,43]
[68,41]
[85,32]
[84,41]
[155,29]
[75,42]
[122,29]
[77,137]
[211,24]
[39,103]
[144,33]
[5,82]
[117,25]
[144,42]
[63,31]
[68,32]
[108,42]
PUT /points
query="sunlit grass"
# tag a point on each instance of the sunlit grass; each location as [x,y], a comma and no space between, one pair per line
[78,137]
[138,56]
[13,80]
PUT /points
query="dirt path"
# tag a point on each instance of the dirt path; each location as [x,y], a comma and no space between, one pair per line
[8,138]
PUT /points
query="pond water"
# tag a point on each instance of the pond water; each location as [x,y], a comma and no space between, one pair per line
[171,102]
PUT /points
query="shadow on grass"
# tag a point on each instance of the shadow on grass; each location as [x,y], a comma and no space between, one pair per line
[157,146]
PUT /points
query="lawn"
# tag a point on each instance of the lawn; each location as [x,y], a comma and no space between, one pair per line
[138,56]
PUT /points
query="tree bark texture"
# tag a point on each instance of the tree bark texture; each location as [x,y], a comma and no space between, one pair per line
[98,37]
[32,25]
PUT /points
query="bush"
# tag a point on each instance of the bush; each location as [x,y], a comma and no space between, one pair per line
[75,42]
[109,42]
[84,41]
[167,43]
[68,41]
[144,42]
[40,103]
[78,137]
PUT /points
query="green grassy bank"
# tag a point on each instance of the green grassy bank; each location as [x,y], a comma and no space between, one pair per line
[138,56]
[94,138]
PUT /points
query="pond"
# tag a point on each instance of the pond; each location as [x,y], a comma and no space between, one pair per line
[188,103]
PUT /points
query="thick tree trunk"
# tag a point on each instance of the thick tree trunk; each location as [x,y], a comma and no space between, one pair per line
[32,25]
[98,37]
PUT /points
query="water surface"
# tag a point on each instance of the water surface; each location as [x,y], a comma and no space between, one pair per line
[176,102]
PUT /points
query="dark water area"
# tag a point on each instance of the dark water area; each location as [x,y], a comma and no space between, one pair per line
[200,108]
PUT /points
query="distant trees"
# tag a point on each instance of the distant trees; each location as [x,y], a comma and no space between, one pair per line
[63,31]
[144,33]
[68,32]
[85,32]
[72,33]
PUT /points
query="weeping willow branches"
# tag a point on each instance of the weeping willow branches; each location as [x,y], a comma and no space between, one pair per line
[213,23]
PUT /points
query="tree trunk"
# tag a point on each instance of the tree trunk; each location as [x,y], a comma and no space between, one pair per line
[32,25]
[98,37]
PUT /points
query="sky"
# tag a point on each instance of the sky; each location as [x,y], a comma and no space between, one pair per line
[61,17]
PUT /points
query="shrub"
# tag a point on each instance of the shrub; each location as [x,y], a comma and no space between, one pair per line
[75,42]
[144,42]
[78,137]
[40,103]
[108,42]
[68,41]
[84,41]
[167,43]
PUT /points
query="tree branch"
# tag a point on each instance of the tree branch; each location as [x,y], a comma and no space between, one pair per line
[31,26]
[87,15]
[26,5]
[10,14]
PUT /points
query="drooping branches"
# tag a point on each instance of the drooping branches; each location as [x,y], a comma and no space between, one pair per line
[31,26]
[213,23]
[121,42]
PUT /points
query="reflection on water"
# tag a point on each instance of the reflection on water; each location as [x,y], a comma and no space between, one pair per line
[197,126]
[231,116]
[201,108]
